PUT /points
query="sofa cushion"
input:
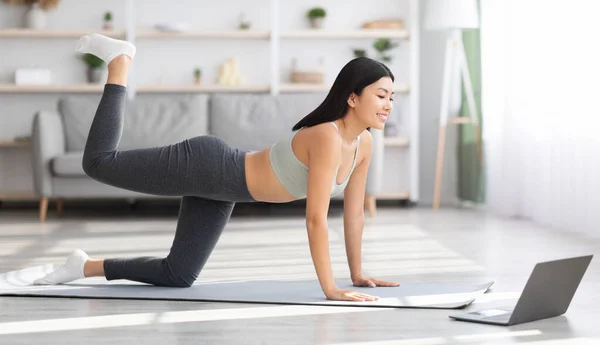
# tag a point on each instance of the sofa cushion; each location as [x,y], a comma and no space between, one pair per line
[150,120]
[256,121]
[68,164]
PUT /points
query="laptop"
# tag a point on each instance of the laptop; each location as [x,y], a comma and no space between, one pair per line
[548,293]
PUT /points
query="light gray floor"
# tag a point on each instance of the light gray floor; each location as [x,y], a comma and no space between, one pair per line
[402,244]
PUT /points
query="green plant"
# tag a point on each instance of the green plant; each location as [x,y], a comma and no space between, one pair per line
[382,45]
[316,12]
[107,16]
[44,4]
[197,72]
[244,24]
[92,61]
[359,53]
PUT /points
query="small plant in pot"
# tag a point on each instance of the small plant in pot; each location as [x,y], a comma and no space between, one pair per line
[382,45]
[108,21]
[359,53]
[35,17]
[94,68]
[244,23]
[197,75]
[316,17]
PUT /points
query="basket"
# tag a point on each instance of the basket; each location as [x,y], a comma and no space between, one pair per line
[309,77]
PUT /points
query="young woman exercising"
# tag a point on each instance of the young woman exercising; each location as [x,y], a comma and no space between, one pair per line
[328,152]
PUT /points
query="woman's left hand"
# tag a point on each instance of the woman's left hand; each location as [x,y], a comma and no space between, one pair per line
[371,282]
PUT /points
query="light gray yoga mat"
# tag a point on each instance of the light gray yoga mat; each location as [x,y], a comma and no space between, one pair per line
[407,295]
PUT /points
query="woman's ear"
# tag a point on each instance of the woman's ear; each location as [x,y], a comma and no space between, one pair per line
[352,100]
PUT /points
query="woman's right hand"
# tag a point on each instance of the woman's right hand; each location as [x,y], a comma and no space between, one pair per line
[349,295]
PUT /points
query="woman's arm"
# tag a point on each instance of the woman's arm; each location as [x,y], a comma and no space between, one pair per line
[323,157]
[354,216]
[324,153]
[354,200]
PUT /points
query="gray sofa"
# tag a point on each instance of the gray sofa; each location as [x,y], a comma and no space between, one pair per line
[247,121]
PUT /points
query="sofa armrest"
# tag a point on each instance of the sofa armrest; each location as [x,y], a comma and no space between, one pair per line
[48,141]
[374,176]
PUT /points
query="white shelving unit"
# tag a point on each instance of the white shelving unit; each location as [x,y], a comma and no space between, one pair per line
[406,90]
[199,34]
[57,88]
[52,33]
[358,34]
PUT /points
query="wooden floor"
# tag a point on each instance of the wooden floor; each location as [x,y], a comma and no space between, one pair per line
[261,242]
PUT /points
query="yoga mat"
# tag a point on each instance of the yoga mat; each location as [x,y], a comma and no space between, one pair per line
[304,292]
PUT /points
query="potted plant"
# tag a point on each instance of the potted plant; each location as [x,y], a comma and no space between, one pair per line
[359,53]
[35,17]
[94,67]
[244,23]
[108,20]
[382,45]
[197,75]
[316,17]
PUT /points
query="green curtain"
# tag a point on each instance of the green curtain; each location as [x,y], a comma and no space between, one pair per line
[470,170]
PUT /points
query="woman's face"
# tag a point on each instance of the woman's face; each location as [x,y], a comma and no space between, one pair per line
[374,104]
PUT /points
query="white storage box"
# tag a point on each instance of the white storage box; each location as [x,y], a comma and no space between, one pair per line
[32,76]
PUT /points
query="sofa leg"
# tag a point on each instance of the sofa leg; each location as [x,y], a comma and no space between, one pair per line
[60,206]
[43,209]
[371,205]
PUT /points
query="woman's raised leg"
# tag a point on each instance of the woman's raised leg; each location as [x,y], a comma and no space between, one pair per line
[203,166]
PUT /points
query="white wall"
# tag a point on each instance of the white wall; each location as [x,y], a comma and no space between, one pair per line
[172,61]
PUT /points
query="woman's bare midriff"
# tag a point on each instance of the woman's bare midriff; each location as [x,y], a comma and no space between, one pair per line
[262,183]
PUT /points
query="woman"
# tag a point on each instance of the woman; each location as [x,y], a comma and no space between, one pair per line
[328,152]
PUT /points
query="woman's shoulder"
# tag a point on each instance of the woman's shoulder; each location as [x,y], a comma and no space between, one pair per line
[323,133]
[326,133]
[366,139]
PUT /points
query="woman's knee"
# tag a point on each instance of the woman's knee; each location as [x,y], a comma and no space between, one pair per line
[92,163]
[89,164]
[181,283]
[178,277]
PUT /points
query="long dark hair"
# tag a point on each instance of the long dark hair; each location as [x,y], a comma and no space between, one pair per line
[353,77]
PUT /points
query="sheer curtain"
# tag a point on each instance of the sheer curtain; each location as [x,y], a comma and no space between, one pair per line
[540,107]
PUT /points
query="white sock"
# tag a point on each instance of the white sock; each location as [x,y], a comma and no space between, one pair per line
[71,270]
[104,47]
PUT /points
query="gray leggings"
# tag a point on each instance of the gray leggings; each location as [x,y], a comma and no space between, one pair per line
[205,171]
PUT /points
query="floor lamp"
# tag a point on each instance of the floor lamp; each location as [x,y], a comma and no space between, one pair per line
[453,16]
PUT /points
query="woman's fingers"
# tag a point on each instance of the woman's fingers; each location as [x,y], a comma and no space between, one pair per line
[357,296]
[384,283]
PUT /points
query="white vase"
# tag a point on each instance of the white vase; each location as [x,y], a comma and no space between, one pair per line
[317,23]
[35,18]
[95,75]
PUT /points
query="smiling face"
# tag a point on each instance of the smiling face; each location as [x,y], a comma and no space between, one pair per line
[374,104]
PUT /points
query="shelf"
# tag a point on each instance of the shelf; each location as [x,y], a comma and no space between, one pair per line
[222,34]
[212,34]
[13,143]
[62,33]
[306,87]
[326,34]
[303,87]
[72,88]
[203,88]
[396,141]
